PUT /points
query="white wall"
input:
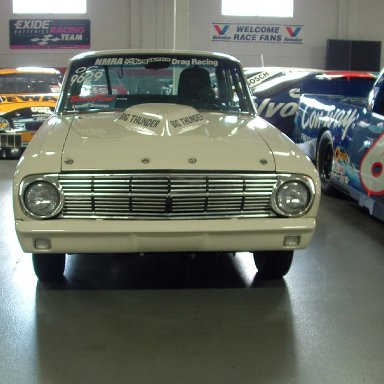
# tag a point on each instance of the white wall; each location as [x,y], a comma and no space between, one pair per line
[321,20]
[186,24]
[109,29]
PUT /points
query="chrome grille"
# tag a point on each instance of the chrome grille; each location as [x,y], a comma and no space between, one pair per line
[173,195]
[10,140]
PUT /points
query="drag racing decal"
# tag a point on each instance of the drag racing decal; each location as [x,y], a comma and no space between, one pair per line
[157,59]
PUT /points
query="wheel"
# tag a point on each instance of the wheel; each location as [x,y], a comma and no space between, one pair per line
[324,162]
[49,267]
[10,153]
[273,264]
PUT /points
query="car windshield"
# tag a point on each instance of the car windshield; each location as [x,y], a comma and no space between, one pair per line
[105,83]
[17,83]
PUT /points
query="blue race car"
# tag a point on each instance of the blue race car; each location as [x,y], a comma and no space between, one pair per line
[277,90]
[344,136]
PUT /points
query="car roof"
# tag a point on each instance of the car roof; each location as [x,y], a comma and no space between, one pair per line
[42,70]
[350,74]
[273,71]
[154,52]
[262,78]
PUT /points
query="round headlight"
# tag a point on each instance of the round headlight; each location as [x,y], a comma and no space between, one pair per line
[293,198]
[42,199]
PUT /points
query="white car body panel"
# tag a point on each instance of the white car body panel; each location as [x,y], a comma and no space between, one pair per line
[205,141]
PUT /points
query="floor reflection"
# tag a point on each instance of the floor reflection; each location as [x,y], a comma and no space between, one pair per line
[158,271]
[157,329]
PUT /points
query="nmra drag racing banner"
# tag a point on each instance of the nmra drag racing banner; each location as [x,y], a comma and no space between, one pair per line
[257,33]
[49,34]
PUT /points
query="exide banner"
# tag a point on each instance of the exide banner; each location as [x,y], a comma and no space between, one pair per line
[257,33]
[49,34]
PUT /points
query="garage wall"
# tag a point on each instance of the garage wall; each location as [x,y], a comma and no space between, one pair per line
[321,20]
[114,24]
[188,24]
[112,31]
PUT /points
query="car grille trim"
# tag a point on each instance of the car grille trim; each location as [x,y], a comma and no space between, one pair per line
[10,140]
[166,195]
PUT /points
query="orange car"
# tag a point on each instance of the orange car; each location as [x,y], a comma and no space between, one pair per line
[28,95]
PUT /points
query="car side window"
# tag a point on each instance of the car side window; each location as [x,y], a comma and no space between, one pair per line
[378,106]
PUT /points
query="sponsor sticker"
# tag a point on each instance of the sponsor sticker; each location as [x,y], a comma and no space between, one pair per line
[145,61]
[338,118]
[259,78]
[49,34]
[92,102]
[187,120]
[142,121]
[150,123]
[24,99]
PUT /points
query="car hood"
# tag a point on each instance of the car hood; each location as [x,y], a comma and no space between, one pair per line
[160,137]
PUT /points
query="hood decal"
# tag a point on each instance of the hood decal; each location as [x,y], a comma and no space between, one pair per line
[166,136]
[162,120]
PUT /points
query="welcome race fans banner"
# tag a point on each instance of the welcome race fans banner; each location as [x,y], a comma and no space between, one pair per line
[49,34]
[257,33]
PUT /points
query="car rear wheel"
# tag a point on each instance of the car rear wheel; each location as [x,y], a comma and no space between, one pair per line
[324,162]
[49,267]
[273,264]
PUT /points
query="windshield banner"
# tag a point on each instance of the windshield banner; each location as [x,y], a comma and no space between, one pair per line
[49,34]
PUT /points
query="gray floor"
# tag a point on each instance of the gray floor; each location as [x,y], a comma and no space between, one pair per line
[176,319]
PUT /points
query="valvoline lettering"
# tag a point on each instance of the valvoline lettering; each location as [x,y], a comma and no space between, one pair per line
[269,109]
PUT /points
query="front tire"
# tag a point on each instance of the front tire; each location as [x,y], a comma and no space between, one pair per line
[49,267]
[273,265]
[324,162]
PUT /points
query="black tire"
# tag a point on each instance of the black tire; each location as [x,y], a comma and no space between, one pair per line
[272,264]
[11,154]
[324,162]
[4,153]
[49,267]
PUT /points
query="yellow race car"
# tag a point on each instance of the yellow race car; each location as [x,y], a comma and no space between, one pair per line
[28,95]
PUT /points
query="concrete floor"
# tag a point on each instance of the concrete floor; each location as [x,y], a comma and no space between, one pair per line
[176,320]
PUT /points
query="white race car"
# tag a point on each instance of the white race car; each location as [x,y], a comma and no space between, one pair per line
[161,151]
